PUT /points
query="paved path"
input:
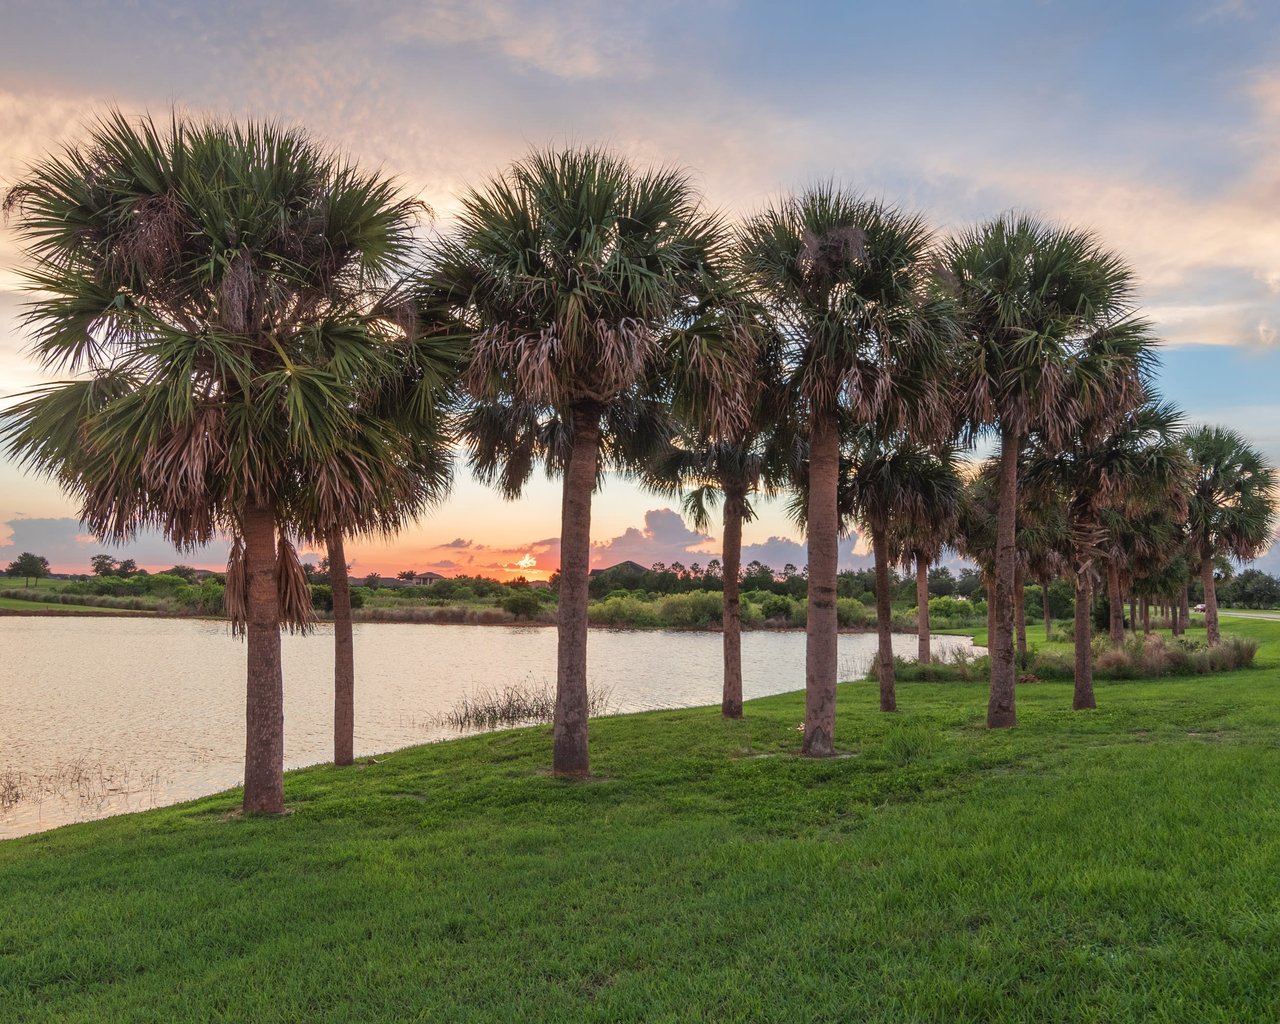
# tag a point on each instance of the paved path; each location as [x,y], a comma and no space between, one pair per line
[1270,616]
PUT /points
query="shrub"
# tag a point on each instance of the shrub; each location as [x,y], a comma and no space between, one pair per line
[322,597]
[776,607]
[697,608]
[903,622]
[852,612]
[523,604]
[623,611]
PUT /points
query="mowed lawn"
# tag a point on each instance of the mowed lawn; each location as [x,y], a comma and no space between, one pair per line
[1119,865]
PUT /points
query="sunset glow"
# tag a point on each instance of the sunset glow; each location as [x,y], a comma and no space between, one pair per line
[1169,153]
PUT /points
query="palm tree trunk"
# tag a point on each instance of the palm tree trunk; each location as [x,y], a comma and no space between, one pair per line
[731,702]
[991,610]
[1212,636]
[1146,615]
[922,610]
[264,697]
[344,665]
[1185,613]
[822,631]
[1001,704]
[884,620]
[570,743]
[1083,696]
[1020,613]
[1133,613]
[1044,605]
[1116,600]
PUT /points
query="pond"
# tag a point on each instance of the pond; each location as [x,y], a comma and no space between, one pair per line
[104,715]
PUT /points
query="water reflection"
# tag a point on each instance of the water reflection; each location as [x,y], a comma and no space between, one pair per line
[100,716]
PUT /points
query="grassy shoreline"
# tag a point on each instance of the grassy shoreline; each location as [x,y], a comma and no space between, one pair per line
[1084,866]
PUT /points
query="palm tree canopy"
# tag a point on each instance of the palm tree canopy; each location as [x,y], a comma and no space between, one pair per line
[576,279]
[759,457]
[911,490]
[1115,474]
[223,291]
[1050,335]
[845,280]
[1231,510]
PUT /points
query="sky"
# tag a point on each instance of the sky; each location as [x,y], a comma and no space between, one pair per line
[1154,123]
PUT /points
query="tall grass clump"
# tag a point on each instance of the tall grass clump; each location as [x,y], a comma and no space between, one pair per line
[1151,657]
[527,703]
[958,665]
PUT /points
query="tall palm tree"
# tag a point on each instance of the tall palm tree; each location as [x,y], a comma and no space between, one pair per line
[210,282]
[1109,469]
[1230,509]
[572,277]
[843,280]
[923,523]
[757,459]
[732,472]
[976,531]
[1044,542]
[906,487]
[1050,339]
[400,422]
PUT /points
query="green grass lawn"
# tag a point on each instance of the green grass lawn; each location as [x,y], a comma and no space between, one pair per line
[1109,866]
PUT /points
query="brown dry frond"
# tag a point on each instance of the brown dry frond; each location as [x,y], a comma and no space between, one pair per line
[236,595]
[297,613]
[149,247]
[237,295]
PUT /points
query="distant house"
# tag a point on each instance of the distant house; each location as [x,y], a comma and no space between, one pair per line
[628,566]
[425,579]
[539,585]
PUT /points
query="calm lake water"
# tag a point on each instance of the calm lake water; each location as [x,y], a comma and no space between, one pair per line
[104,715]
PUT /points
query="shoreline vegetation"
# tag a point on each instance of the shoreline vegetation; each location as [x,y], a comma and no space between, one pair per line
[440,861]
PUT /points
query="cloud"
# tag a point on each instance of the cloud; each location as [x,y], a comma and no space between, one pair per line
[665,537]
[576,39]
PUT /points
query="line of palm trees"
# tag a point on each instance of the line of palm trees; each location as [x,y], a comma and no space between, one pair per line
[263,347]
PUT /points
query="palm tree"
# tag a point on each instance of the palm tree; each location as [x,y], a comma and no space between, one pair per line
[758,459]
[1230,511]
[843,278]
[572,277]
[976,532]
[1109,469]
[1044,545]
[210,282]
[1050,339]
[732,471]
[399,428]
[902,486]
[922,523]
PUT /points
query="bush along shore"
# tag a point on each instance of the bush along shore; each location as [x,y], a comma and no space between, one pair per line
[772,602]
